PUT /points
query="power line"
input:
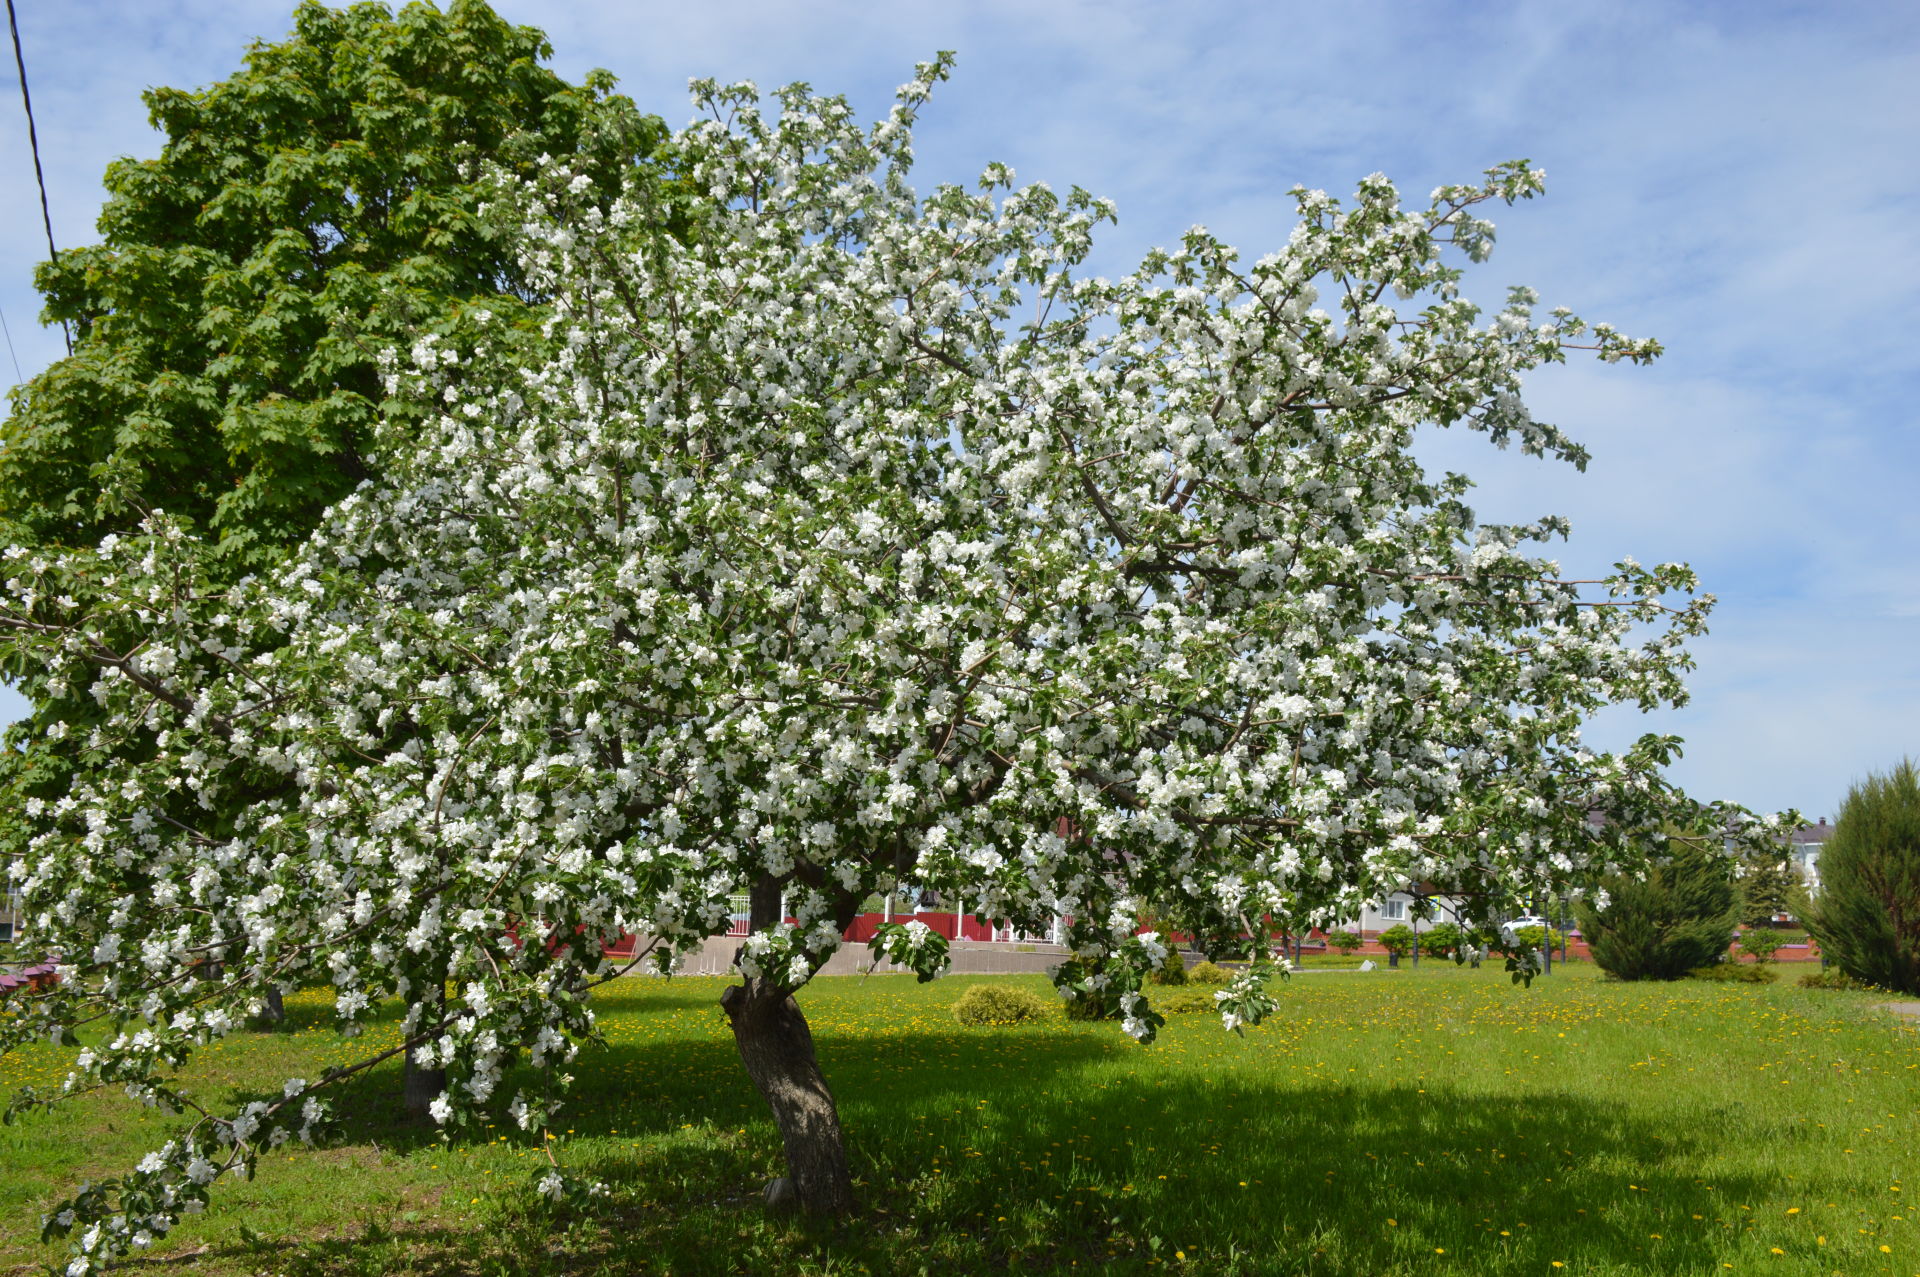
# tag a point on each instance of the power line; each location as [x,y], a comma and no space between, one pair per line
[17,378]
[33,142]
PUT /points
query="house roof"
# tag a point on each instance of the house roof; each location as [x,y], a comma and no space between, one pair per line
[1812,833]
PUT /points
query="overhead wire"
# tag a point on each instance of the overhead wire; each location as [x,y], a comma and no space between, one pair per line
[33,143]
[17,376]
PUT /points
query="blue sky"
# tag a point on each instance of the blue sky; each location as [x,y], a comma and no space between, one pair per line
[1737,180]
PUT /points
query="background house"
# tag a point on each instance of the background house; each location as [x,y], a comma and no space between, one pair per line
[1805,845]
[1398,909]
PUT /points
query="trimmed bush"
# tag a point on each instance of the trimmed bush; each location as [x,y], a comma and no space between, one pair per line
[1173,971]
[1185,1002]
[1441,940]
[1762,943]
[1676,920]
[1735,973]
[1344,941]
[1833,978]
[1397,939]
[1086,1009]
[1209,973]
[987,1004]
[1536,937]
[1867,915]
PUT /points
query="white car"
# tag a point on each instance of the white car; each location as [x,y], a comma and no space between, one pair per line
[1528,921]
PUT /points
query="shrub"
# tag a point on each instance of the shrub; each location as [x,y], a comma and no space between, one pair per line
[984,1004]
[1536,937]
[1441,940]
[1171,972]
[1867,915]
[1762,943]
[1078,1008]
[1735,973]
[1209,973]
[1668,924]
[1344,941]
[1185,1002]
[1397,939]
[1833,978]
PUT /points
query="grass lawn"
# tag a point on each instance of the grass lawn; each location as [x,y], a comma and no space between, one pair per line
[1431,1122]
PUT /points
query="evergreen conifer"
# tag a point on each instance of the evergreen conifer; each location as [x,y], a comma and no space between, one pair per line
[1866,914]
[1680,916]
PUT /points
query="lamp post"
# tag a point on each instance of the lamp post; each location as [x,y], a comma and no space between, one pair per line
[1546,943]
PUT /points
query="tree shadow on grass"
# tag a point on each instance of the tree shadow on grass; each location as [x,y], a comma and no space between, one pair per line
[984,1151]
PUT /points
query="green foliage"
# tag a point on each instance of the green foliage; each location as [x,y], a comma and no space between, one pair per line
[1442,940]
[1832,978]
[1209,973]
[1767,885]
[320,205]
[1172,972]
[1867,915]
[1187,1002]
[1735,973]
[1537,937]
[301,215]
[1344,941]
[986,1004]
[1678,918]
[1397,939]
[1761,943]
[1089,1009]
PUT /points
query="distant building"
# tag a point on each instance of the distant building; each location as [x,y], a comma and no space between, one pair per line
[1804,847]
[1398,909]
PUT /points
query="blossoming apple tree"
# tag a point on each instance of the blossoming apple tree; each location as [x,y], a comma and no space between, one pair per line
[851,537]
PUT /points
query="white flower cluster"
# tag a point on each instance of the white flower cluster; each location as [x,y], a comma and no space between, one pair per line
[913,945]
[835,537]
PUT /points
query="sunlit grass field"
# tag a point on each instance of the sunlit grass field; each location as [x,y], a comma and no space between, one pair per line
[1433,1122]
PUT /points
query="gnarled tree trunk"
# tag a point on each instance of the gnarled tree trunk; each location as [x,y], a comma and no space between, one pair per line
[777,1048]
[420,1086]
[273,1011]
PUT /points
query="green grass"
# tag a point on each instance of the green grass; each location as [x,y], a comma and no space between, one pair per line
[1435,1122]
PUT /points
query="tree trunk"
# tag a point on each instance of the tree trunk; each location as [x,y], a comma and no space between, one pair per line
[272,1011]
[420,1086]
[777,1049]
